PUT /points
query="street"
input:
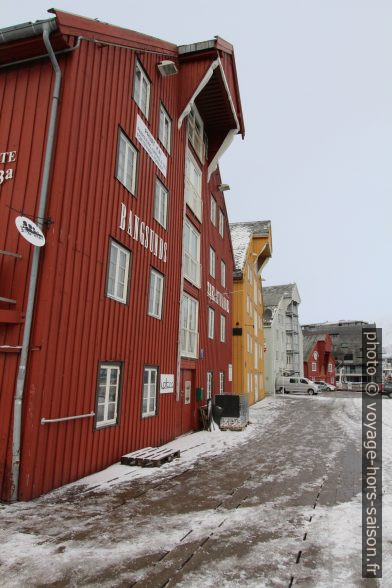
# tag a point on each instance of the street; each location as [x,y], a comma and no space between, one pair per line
[276,505]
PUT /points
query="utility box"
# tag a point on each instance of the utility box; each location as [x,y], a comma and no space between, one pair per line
[235,411]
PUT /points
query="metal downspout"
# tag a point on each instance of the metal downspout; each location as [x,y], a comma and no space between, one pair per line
[20,383]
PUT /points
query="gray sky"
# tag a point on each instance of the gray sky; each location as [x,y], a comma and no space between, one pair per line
[316,88]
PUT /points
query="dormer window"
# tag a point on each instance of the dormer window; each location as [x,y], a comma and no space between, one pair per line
[196,132]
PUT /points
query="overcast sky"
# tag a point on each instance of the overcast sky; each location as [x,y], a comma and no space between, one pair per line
[315,79]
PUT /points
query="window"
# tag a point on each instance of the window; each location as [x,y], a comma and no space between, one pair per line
[195,130]
[223,274]
[160,203]
[314,367]
[249,343]
[256,355]
[249,273]
[150,384]
[164,128]
[211,322]
[256,323]
[187,391]
[213,210]
[247,304]
[212,262]
[249,382]
[108,391]
[221,223]
[191,248]
[155,295]
[330,367]
[189,332]
[193,177]
[126,163]
[118,272]
[209,385]
[222,328]
[141,89]
[221,383]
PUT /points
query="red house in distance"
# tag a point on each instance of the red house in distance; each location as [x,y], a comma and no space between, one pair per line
[116,330]
[319,363]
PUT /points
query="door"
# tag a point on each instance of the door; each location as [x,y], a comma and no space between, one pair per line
[188,401]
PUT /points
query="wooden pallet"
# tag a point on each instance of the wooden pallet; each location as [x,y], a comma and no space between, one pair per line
[150,457]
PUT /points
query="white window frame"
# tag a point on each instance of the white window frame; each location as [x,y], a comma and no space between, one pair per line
[165,125]
[187,391]
[212,261]
[195,132]
[109,367]
[211,322]
[314,367]
[249,342]
[138,92]
[213,210]
[223,274]
[161,196]
[192,268]
[155,294]
[221,223]
[189,326]
[126,164]
[249,274]
[209,385]
[222,328]
[330,367]
[249,382]
[112,292]
[150,391]
[256,355]
[193,185]
[221,382]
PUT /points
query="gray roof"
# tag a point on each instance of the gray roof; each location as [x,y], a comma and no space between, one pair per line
[241,234]
[272,295]
[309,343]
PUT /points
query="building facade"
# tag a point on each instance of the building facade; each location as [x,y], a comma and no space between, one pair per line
[283,336]
[346,337]
[111,146]
[319,363]
[252,246]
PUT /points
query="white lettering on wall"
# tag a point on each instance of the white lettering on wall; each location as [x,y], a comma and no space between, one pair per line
[7,157]
[216,296]
[145,235]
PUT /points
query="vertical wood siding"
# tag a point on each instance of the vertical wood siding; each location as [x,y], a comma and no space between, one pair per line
[76,326]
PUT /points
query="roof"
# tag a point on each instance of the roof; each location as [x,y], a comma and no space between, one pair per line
[241,235]
[272,295]
[207,71]
[309,341]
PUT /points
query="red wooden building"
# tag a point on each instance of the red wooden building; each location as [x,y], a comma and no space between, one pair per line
[110,142]
[319,363]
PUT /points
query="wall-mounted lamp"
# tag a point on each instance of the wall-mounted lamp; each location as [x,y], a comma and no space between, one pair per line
[167,68]
[223,187]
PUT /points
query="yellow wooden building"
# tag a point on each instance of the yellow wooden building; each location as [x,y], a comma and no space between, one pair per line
[252,246]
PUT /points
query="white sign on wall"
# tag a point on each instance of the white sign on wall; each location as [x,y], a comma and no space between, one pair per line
[167,383]
[30,231]
[146,139]
[230,370]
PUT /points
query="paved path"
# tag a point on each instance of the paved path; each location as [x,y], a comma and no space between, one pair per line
[255,515]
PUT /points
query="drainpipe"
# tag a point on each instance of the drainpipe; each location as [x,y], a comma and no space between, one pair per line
[20,383]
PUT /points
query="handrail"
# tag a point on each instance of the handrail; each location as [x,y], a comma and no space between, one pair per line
[71,418]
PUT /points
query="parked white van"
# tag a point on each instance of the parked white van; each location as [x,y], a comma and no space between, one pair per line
[295,385]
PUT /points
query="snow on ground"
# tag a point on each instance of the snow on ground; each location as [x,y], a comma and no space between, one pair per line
[192,447]
[53,540]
